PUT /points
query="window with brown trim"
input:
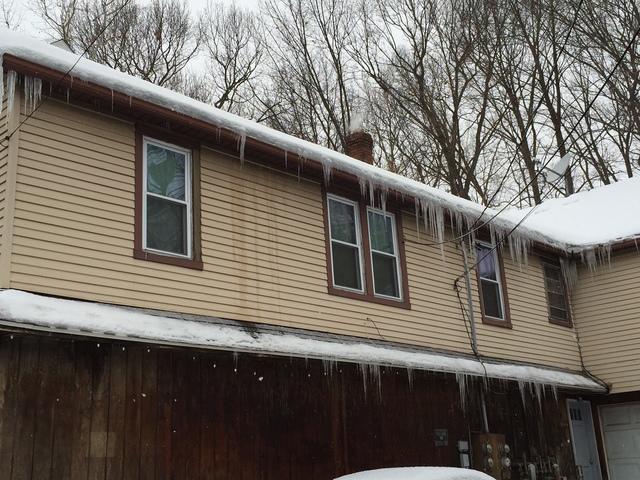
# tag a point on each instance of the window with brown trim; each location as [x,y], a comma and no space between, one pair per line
[556,292]
[492,285]
[365,255]
[167,200]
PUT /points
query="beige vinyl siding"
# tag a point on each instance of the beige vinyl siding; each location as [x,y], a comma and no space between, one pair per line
[4,155]
[607,308]
[262,243]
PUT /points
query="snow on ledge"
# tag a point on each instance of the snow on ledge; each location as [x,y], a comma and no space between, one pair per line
[27,310]
[418,473]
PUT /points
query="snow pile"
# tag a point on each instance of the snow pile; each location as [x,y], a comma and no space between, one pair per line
[18,308]
[589,219]
[418,473]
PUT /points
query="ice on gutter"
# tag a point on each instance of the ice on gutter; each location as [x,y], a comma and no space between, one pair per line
[27,310]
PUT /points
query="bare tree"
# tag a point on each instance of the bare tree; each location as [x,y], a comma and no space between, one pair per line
[233,47]
[312,81]
[11,17]
[154,42]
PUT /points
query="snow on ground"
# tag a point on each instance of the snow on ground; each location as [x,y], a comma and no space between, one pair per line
[87,318]
[418,473]
[428,199]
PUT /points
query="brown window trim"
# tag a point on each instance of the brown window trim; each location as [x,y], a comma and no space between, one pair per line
[138,250]
[555,262]
[487,320]
[368,294]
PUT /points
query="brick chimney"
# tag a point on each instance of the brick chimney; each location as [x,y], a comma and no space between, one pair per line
[360,146]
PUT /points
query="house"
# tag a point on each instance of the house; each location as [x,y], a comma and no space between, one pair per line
[187,294]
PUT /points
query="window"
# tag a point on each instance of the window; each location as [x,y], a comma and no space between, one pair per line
[384,253]
[364,255]
[346,244]
[556,294]
[491,285]
[167,200]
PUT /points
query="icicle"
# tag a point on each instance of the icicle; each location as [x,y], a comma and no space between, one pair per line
[130,101]
[67,95]
[286,159]
[363,187]
[383,200]
[461,378]
[417,212]
[410,378]
[242,139]
[112,100]
[37,91]
[28,88]
[363,372]
[371,194]
[326,170]
[11,90]
[569,270]
[374,371]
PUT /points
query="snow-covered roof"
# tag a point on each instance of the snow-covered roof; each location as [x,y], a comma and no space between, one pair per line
[429,200]
[418,473]
[595,217]
[31,311]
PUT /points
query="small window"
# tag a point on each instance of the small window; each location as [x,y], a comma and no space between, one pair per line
[556,293]
[346,244]
[167,209]
[490,279]
[384,254]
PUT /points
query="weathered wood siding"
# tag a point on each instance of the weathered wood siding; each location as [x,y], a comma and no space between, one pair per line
[263,249]
[606,304]
[89,409]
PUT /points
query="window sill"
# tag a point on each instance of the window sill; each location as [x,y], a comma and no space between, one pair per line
[366,297]
[561,322]
[497,322]
[168,260]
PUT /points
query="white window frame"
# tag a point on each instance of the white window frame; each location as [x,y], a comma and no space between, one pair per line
[356,208]
[396,254]
[188,198]
[496,262]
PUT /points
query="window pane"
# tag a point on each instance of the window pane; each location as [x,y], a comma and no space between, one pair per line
[558,313]
[385,275]
[343,221]
[346,266]
[556,300]
[491,299]
[165,172]
[486,262]
[166,225]
[381,232]
[555,292]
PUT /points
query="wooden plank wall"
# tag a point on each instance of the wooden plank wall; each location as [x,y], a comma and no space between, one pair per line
[89,409]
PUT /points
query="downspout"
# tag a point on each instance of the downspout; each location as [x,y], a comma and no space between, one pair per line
[474,336]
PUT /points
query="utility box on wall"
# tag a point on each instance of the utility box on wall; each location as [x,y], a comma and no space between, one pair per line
[491,455]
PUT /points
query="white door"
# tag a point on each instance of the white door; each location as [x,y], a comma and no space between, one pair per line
[584,439]
[621,430]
